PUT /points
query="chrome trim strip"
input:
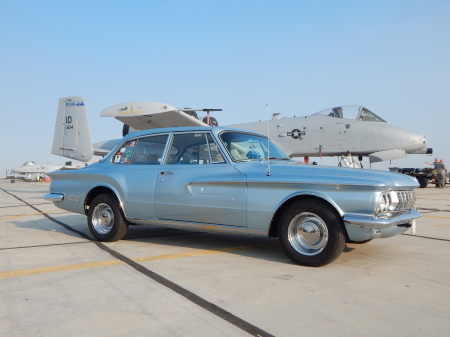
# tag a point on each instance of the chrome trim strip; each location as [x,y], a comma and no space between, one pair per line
[379,187]
[382,223]
[198,226]
[55,197]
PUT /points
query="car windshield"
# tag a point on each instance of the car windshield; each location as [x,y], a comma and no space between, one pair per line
[243,146]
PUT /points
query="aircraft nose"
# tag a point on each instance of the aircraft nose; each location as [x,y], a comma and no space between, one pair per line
[422,140]
[419,144]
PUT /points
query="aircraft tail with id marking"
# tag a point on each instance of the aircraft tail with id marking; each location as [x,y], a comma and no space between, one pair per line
[72,138]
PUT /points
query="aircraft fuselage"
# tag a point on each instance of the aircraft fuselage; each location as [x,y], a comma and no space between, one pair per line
[328,136]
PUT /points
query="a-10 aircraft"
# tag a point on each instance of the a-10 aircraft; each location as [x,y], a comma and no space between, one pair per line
[31,171]
[326,133]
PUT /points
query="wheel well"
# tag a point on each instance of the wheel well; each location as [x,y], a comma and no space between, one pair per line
[273,231]
[95,192]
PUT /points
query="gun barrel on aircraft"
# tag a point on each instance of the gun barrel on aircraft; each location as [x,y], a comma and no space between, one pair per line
[428,151]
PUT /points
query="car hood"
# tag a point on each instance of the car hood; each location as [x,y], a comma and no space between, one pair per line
[308,174]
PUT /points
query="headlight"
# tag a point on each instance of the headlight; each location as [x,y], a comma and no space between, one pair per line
[387,203]
[384,202]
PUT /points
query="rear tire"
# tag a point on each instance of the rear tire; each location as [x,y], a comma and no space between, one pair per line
[311,233]
[105,219]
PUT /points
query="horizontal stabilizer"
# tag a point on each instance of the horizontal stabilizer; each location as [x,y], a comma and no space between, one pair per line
[72,138]
[104,147]
[142,115]
[386,155]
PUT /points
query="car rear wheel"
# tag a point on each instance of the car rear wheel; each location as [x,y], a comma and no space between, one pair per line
[311,233]
[105,219]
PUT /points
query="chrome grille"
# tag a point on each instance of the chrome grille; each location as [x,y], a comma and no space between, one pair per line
[406,200]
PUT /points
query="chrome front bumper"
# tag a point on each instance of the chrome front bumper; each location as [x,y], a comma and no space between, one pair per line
[362,229]
[55,197]
[382,223]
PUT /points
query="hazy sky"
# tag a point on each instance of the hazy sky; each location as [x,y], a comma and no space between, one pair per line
[298,57]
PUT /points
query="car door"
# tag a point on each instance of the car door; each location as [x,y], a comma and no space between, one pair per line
[142,157]
[196,184]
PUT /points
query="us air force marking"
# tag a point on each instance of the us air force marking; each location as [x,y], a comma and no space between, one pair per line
[296,133]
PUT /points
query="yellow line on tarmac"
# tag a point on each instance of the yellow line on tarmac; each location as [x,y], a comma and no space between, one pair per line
[22,215]
[187,254]
[87,265]
[44,270]
[437,217]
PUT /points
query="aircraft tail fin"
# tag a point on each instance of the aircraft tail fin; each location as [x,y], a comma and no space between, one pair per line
[72,138]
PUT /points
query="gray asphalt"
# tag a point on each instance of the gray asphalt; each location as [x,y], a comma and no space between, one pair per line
[56,281]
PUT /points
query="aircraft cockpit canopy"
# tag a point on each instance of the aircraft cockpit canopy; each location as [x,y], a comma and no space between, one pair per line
[355,112]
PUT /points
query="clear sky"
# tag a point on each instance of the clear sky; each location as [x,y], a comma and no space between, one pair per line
[298,57]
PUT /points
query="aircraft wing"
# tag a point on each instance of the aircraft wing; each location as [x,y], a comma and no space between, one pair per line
[143,115]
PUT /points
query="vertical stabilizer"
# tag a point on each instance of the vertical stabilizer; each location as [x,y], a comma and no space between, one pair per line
[72,138]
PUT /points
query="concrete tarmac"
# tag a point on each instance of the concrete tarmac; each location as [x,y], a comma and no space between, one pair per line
[56,281]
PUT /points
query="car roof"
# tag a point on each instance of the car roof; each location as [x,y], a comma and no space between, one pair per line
[215,130]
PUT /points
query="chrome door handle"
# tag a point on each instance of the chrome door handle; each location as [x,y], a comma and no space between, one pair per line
[164,173]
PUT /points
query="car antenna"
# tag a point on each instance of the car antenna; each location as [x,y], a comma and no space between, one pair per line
[268,141]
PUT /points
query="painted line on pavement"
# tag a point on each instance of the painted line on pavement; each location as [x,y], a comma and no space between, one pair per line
[88,265]
[22,215]
[437,217]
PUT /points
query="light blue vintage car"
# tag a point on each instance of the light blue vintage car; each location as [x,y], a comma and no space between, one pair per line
[234,181]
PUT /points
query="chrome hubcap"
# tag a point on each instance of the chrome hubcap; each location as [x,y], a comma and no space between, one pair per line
[103,218]
[308,234]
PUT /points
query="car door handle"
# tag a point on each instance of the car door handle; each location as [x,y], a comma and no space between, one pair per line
[165,173]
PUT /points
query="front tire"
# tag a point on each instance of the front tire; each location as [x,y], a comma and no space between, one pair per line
[359,242]
[105,219]
[311,233]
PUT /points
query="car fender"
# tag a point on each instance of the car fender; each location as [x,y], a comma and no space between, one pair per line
[288,200]
[102,189]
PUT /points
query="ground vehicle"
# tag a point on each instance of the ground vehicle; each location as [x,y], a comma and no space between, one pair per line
[235,181]
[424,176]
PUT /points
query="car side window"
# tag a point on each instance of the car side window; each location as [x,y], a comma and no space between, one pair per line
[142,151]
[149,150]
[125,153]
[194,149]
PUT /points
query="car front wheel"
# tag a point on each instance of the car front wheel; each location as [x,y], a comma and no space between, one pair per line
[311,233]
[105,219]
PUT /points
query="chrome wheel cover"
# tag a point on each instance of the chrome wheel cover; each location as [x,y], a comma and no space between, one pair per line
[308,234]
[102,218]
